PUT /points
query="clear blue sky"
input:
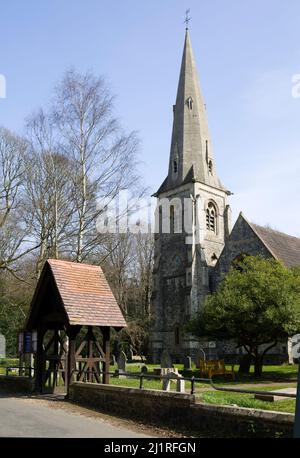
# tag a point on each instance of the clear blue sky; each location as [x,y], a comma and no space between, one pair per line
[246,52]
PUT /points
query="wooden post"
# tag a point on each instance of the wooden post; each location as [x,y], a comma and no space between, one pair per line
[90,344]
[71,358]
[55,362]
[106,349]
[39,362]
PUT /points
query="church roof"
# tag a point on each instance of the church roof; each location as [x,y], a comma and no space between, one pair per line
[283,247]
[191,147]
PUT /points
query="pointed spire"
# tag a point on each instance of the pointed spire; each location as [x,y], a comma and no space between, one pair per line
[191,156]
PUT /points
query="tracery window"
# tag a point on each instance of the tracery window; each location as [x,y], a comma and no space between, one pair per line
[211,218]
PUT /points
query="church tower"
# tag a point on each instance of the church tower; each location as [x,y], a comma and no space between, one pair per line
[192,221]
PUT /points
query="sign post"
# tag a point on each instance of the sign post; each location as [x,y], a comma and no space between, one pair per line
[297,411]
[296,356]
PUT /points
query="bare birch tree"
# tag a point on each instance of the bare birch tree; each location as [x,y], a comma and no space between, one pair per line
[104,156]
[49,199]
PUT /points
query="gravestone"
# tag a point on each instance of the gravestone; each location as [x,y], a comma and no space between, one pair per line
[187,362]
[173,377]
[130,355]
[144,370]
[121,362]
[2,346]
[201,355]
[165,359]
[180,385]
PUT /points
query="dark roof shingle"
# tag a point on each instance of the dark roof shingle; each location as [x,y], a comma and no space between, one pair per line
[282,246]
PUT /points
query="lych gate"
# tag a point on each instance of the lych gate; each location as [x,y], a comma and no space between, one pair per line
[72,311]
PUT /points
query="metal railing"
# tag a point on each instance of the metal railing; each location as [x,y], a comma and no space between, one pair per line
[90,375]
[22,371]
[192,380]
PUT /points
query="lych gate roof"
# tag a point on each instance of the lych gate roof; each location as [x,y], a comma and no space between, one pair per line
[85,294]
[282,246]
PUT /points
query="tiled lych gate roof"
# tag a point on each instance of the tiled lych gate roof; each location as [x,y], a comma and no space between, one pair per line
[282,246]
[84,292]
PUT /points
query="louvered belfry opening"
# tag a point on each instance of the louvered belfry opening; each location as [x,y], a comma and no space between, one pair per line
[73,310]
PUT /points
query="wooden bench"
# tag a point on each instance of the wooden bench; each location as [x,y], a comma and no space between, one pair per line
[215,367]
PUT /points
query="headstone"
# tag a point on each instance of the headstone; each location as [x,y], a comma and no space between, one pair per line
[130,355]
[180,385]
[187,362]
[173,377]
[165,359]
[201,355]
[2,346]
[121,363]
[144,370]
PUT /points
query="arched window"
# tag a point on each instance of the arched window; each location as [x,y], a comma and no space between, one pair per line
[210,167]
[160,219]
[211,218]
[172,219]
[190,103]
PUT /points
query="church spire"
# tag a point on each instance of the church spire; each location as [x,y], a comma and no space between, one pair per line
[191,156]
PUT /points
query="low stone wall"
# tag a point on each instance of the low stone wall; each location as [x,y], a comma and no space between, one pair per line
[141,404]
[14,384]
[227,421]
[181,412]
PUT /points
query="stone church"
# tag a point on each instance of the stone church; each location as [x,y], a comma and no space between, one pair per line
[191,259]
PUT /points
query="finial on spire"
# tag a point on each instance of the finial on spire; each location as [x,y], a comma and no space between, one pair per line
[187,19]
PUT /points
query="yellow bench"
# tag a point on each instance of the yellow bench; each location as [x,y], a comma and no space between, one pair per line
[215,367]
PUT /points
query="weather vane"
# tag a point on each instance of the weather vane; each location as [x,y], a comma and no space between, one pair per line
[187,18]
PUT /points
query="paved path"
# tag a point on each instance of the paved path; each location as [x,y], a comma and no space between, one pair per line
[23,417]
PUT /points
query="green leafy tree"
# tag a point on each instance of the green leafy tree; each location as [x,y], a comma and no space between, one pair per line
[257,305]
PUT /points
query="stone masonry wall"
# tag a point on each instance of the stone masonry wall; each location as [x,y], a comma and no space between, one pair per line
[181,412]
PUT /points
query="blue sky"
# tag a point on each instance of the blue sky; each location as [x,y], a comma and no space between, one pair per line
[246,52]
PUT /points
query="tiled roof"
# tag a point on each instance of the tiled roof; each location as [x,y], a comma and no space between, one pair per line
[282,246]
[86,295]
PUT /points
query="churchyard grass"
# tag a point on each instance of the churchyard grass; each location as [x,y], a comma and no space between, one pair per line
[247,400]
[6,362]
[273,378]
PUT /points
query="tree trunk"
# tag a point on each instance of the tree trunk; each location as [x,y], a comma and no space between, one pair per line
[258,364]
[245,363]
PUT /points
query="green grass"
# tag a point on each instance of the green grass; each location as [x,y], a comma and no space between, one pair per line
[247,400]
[4,362]
[284,374]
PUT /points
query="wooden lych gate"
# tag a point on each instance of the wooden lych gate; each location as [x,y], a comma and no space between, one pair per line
[72,310]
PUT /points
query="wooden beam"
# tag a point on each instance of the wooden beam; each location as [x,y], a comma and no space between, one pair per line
[71,358]
[39,361]
[106,349]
